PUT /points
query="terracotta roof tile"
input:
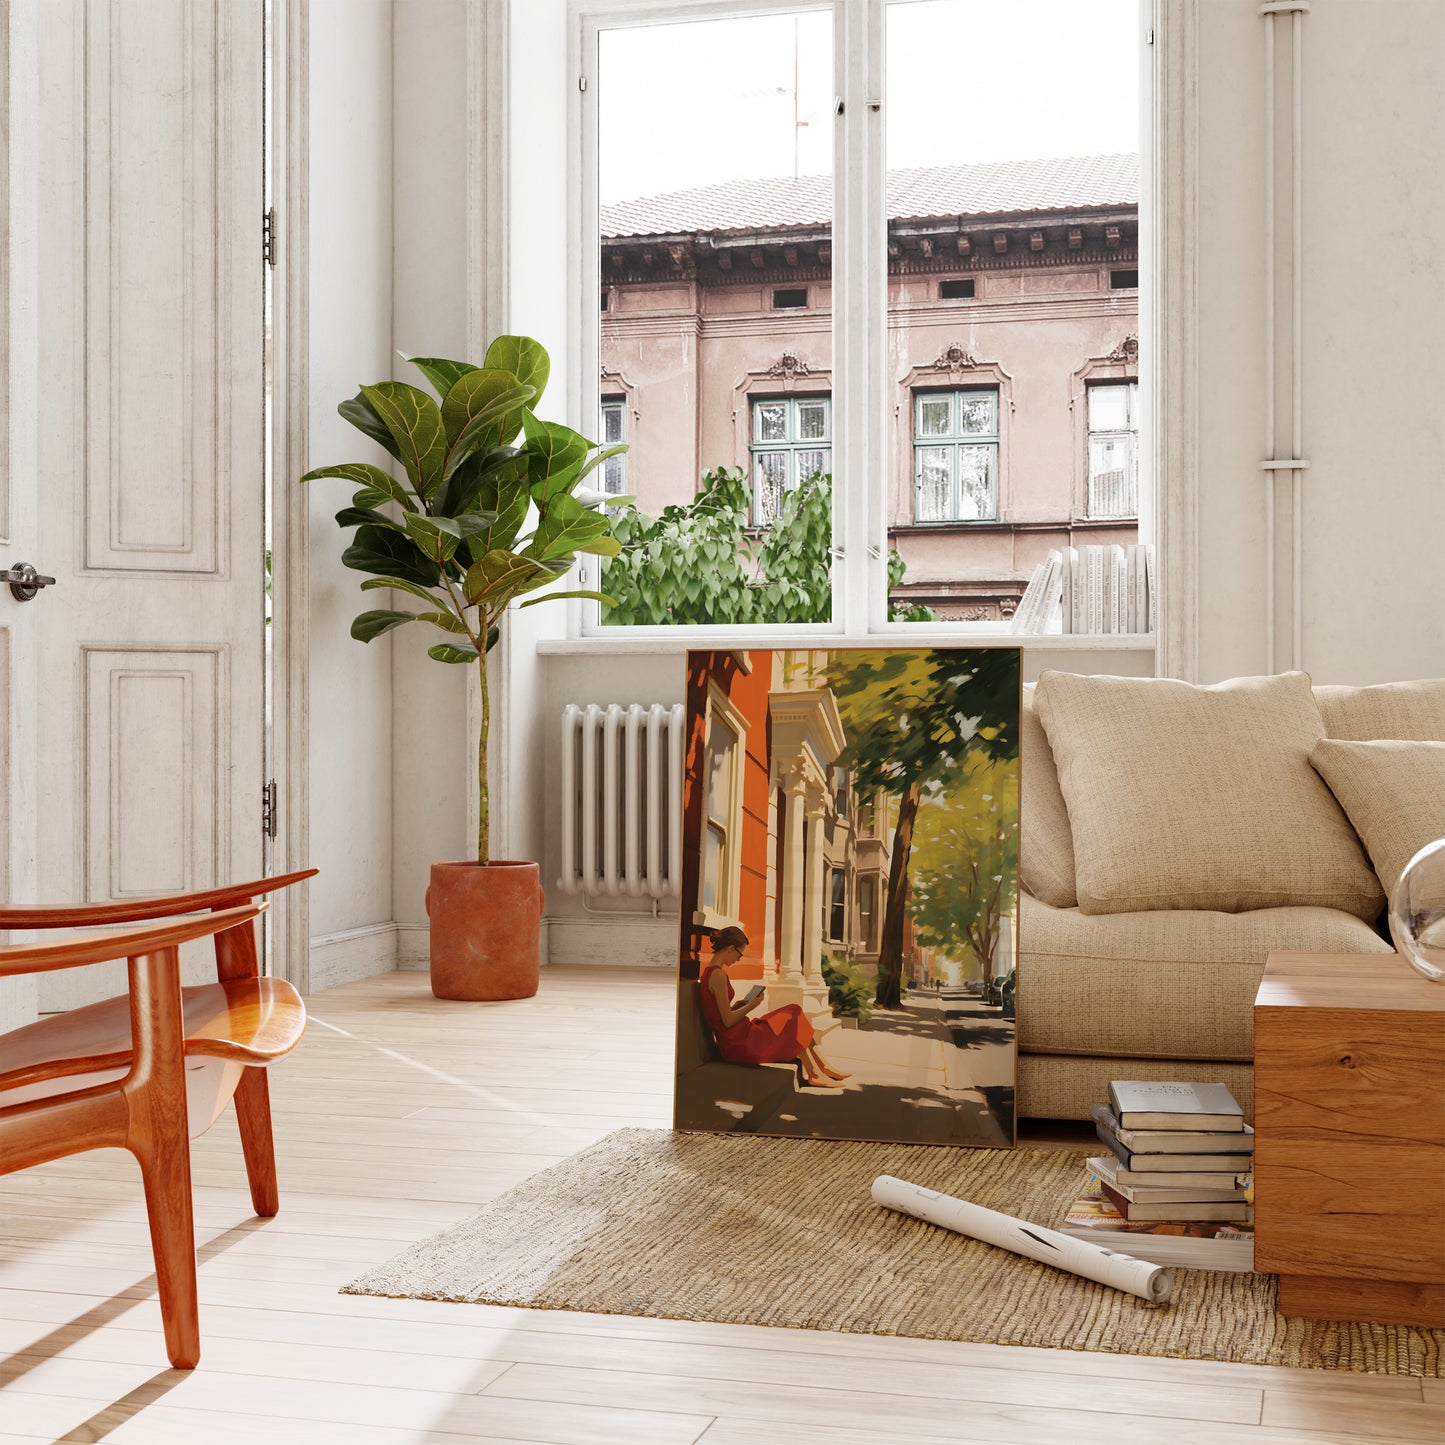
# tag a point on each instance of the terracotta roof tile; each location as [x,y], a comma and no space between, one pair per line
[1063,183]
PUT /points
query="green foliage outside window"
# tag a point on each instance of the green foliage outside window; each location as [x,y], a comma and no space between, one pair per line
[704,563]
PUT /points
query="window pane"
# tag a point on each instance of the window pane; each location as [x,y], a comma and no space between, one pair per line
[976,482]
[1111,477]
[721,741]
[770,482]
[1037,205]
[1108,408]
[614,476]
[935,484]
[770,421]
[812,421]
[978,413]
[712,860]
[691,321]
[811,463]
[935,416]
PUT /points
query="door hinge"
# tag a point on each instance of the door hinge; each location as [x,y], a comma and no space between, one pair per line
[268,237]
[1149,37]
[582,83]
[270,811]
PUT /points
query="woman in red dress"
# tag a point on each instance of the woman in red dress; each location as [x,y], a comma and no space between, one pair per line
[782,1036]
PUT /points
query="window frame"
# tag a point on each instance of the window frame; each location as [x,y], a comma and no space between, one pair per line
[954,441]
[792,445]
[863,390]
[720,709]
[1129,434]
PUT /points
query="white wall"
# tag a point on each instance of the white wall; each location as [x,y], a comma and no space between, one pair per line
[351,340]
[429,771]
[1373,326]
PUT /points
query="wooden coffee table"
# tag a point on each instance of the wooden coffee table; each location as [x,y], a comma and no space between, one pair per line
[1349,1174]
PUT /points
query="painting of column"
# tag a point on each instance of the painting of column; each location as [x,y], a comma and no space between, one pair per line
[849,894]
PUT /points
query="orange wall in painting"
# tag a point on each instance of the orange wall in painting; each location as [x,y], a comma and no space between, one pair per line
[749,694]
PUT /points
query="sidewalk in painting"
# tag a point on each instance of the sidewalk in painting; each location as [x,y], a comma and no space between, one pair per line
[905,1066]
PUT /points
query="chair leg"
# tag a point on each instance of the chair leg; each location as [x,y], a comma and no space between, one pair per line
[158,1136]
[167,1179]
[253,1113]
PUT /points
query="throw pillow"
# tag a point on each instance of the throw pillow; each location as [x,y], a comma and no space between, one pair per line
[1046,846]
[1200,797]
[1394,793]
[1390,710]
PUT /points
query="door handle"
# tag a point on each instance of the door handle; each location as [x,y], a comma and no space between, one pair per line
[24,581]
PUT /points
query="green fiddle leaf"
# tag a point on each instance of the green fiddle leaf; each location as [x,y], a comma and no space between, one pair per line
[605,546]
[447,621]
[497,468]
[525,358]
[500,576]
[578,592]
[365,516]
[359,412]
[555,455]
[373,478]
[372,624]
[442,374]
[493,634]
[485,392]
[400,584]
[390,553]
[566,527]
[453,652]
[435,536]
[415,423]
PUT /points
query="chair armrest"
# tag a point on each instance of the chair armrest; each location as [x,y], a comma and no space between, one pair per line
[100,948]
[138,910]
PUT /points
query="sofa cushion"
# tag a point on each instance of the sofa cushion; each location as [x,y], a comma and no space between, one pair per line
[1200,797]
[1046,846]
[1413,710]
[1066,1086]
[1172,984]
[1394,793]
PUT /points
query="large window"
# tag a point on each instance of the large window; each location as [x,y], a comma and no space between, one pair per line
[1113,449]
[955,449]
[945,367]
[791,443]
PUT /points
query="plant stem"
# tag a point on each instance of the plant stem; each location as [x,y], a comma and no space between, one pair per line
[484,822]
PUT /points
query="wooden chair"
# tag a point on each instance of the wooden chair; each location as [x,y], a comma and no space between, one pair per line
[150,1070]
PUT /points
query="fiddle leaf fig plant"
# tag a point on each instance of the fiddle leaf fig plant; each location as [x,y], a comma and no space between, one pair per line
[491,510]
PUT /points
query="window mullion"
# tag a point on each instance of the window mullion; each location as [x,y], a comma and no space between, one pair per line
[860,337]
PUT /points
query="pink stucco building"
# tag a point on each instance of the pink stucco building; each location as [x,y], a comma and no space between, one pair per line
[1013,356]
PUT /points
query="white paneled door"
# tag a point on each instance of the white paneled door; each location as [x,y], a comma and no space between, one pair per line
[149,649]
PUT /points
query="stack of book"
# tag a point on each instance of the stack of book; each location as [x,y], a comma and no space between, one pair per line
[1177,1176]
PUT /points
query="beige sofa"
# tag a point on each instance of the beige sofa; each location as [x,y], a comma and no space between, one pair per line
[1130,970]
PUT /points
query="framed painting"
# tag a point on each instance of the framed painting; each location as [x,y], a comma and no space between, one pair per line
[849,893]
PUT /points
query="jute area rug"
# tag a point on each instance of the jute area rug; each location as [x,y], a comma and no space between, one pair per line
[758,1231]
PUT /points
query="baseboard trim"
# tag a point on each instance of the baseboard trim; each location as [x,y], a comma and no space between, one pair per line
[646,942]
[413,945]
[355,953]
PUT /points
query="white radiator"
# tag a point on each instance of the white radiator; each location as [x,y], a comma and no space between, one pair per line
[621,799]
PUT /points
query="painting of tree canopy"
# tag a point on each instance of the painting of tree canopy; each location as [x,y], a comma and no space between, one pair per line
[849,893]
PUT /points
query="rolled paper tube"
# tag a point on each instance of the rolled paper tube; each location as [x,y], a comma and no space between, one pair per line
[1033,1241]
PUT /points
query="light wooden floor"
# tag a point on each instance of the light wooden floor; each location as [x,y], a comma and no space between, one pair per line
[396,1117]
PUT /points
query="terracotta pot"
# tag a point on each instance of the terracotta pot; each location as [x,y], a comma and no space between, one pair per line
[486,929]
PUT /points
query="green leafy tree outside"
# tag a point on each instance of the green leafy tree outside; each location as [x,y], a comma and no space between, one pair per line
[705,562]
[913,720]
[965,860]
